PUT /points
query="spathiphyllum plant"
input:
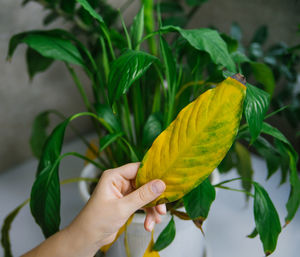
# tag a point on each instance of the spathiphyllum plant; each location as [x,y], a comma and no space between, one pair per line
[169,97]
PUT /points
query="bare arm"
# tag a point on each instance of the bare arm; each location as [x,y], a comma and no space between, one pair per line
[113,201]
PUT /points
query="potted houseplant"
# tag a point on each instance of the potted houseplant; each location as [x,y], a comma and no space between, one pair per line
[137,93]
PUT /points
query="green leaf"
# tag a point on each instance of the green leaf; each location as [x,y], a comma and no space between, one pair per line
[39,133]
[195,2]
[5,239]
[137,28]
[197,202]
[85,4]
[166,236]
[269,153]
[45,192]
[255,108]
[266,219]
[125,70]
[227,163]
[54,47]
[170,64]
[253,234]
[232,44]
[36,62]
[169,7]
[67,6]
[235,31]
[153,127]
[52,16]
[244,166]
[294,197]
[110,120]
[207,40]
[109,139]
[274,132]
[261,35]
[255,51]
[264,75]
[239,57]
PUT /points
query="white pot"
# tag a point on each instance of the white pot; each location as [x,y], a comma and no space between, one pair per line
[188,241]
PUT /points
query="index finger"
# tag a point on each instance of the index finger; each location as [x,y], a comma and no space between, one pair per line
[128,171]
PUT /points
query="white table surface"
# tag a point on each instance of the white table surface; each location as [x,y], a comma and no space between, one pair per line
[230,219]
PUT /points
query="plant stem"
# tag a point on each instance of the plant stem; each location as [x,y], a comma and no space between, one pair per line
[227,181]
[106,34]
[127,117]
[105,62]
[74,180]
[79,87]
[150,25]
[138,109]
[236,190]
[127,249]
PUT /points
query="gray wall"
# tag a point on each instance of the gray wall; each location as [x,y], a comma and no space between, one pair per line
[21,101]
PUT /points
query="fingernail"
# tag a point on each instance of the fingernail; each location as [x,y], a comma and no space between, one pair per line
[151,225]
[164,209]
[158,187]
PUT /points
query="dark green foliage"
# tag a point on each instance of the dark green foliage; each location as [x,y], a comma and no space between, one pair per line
[166,236]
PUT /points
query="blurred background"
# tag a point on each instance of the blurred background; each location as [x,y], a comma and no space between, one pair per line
[21,99]
[268,32]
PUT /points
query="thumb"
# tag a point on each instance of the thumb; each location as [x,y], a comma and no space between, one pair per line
[144,195]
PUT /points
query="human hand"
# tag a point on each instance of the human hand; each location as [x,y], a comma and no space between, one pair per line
[113,201]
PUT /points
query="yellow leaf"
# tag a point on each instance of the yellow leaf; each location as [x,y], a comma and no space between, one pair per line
[105,248]
[149,252]
[91,153]
[195,143]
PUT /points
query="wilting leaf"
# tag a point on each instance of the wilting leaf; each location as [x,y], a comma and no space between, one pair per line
[256,106]
[194,144]
[5,239]
[125,70]
[244,166]
[166,237]
[105,248]
[264,75]
[39,133]
[149,252]
[197,202]
[180,214]
[266,219]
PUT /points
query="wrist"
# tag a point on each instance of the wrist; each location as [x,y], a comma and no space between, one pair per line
[81,242]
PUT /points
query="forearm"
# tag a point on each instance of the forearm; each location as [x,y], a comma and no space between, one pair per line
[63,244]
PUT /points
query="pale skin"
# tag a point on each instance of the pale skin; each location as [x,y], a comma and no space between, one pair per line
[113,201]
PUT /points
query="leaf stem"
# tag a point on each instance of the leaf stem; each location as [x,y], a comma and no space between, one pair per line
[227,181]
[79,87]
[236,190]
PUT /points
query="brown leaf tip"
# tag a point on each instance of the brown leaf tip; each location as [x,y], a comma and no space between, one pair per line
[239,77]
